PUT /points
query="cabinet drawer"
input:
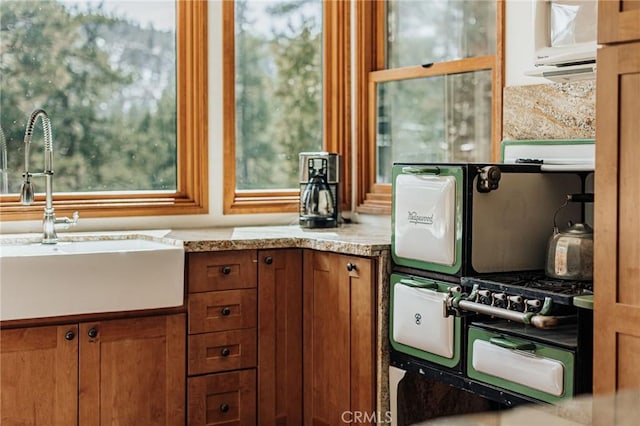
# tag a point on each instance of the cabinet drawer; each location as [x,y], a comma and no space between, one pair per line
[223,398]
[222,310]
[225,270]
[222,351]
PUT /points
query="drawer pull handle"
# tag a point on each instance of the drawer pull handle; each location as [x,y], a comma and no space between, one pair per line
[225,311]
[93,332]
[224,407]
[418,284]
[351,267]
[69,335]
[225,352]
[421,170]
[226,270]
[268,260]
[510,344]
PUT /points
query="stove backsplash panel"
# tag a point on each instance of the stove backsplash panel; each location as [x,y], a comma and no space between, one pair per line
[550,111]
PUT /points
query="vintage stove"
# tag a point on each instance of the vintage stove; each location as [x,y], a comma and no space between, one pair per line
[523,337]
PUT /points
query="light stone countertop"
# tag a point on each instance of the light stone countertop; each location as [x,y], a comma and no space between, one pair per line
[354,239]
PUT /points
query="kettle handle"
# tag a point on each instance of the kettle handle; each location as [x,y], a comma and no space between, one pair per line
[555,215]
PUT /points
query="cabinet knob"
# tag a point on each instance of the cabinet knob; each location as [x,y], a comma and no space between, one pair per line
[225,311]
[225,352]
[268,260]
[224,407]
[226,270]
[70,335]
[93,332]
[351,267]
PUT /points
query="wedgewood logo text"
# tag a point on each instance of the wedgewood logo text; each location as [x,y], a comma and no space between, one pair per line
[414,217]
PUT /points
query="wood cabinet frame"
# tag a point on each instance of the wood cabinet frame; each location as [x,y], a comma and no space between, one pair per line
[373,197]
[618,20]
[95,372]
[192,193]
[336,112]
[617,233]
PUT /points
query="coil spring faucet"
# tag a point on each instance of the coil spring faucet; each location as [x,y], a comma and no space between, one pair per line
[49,221]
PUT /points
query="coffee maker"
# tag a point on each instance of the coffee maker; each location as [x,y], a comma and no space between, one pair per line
[319,180]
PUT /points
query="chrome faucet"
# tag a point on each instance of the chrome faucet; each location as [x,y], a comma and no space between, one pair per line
[49,222]
[4,181]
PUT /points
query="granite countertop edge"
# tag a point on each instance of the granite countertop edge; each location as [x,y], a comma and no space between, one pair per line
[354,239]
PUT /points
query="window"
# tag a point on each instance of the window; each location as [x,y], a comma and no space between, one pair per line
[126,99]
[285,92]
[430,83]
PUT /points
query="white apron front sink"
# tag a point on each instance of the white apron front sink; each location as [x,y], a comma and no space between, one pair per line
[82,277]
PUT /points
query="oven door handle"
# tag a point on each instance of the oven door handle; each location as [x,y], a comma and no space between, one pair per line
[510,344]
[421,170]
[417,284]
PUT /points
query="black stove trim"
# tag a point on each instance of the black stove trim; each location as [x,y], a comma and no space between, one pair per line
[460,380]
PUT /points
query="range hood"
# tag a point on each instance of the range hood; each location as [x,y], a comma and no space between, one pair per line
[563,74]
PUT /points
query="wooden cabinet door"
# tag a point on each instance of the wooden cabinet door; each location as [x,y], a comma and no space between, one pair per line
[132,371]
[39,375]
[280,337]
[223,399]
[618,20]
[338,341]
[617,229]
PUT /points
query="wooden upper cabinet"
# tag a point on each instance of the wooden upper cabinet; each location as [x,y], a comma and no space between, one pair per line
[338,337]
[617,229]
[618,21]
[39,375]
[280,337]
[132,371]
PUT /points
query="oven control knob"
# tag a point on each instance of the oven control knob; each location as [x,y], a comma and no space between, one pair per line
[488,178]
[484,296]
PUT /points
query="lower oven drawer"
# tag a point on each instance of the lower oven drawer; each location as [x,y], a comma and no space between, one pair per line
[418,326]
[520,365]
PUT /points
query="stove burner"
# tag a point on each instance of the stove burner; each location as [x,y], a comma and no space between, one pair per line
[532,284]
[553,285]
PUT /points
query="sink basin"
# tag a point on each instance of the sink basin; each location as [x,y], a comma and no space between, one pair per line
[81,277]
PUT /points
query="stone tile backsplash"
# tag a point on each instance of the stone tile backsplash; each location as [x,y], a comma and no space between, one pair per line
[550,111]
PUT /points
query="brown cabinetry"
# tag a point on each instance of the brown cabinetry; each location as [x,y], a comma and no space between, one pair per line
[617,229]
[339,338]
[39,375]
[280,337]
[128,371]
[618,21]
[222,310]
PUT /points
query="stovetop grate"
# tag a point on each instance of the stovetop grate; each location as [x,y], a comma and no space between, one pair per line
[532,285]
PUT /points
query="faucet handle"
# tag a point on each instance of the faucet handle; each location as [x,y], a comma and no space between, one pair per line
[65,222]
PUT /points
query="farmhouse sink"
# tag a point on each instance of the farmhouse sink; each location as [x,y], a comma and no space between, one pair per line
[81,277]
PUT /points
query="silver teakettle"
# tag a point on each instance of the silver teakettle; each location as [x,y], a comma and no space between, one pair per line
[570,252]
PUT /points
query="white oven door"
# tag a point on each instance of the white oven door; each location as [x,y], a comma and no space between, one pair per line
[424,219]
[543,374]
[418,320]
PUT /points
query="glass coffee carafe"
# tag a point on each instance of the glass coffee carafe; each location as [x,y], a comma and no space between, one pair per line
[319,189]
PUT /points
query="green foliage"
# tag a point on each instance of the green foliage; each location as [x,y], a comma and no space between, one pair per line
[278,92]
[113,128]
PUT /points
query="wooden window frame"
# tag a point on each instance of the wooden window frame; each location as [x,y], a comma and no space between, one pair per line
[370,21]
[191,196]
[336,112]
